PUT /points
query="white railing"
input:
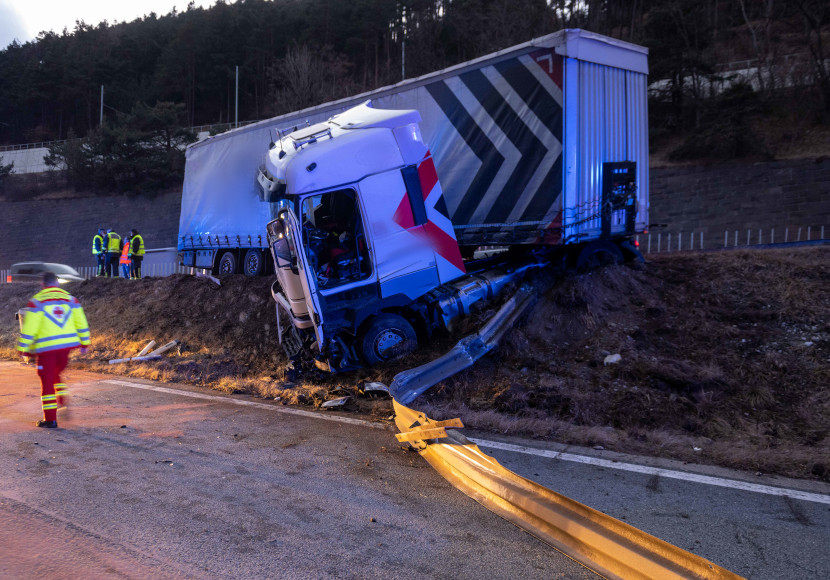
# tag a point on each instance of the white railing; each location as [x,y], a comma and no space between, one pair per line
[661,242]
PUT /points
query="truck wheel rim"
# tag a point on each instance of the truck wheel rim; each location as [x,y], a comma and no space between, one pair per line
[253,263]
[386,342]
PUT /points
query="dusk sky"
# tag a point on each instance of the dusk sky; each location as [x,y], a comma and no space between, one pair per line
[24,19]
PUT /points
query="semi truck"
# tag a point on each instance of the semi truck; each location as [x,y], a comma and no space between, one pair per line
[375,208]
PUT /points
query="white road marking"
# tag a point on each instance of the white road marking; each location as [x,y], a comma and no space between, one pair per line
[681,475]
[231,401]
[595,461]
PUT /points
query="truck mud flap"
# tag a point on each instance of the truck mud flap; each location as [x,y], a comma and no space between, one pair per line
[599,542]
[409,384]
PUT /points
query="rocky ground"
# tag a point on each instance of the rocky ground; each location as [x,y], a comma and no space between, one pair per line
[724,358]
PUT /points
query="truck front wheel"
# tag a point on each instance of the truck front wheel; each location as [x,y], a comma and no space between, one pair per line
[388,336]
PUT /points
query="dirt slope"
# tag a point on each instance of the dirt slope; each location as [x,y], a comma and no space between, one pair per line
[724,357]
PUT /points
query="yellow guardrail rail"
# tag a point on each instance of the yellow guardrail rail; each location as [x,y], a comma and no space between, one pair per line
[603,544]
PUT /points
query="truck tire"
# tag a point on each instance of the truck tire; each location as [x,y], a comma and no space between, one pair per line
[597,254]
[253,265]
[227,264]
[388,336]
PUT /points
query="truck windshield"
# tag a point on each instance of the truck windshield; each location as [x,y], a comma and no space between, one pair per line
[334,239]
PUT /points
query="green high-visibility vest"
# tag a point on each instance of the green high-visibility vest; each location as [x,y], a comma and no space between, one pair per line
[113,243]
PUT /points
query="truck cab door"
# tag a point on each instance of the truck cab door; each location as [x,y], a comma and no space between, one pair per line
[294,275]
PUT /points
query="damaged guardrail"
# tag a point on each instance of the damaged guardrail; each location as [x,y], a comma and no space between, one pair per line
[409,384]
[606,545]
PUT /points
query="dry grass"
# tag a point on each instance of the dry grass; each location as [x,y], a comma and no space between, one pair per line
[713,346]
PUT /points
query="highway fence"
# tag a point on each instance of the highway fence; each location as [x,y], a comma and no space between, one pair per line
[666,241]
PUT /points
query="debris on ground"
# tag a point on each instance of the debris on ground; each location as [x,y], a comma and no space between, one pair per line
[338,402]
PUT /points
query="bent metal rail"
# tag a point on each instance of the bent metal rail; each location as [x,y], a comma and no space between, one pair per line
[605,545]
[599,542]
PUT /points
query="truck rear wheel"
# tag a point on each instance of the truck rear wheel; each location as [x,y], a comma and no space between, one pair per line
[253,264]
[599,253]
[388,336]
[227,264]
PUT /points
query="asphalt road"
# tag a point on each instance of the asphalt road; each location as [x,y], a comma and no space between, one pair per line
[142,483]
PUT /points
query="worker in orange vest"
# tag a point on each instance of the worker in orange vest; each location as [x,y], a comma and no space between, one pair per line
[54,323]
[124,260]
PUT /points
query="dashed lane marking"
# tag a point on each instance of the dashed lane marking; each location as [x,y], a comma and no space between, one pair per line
[595,461]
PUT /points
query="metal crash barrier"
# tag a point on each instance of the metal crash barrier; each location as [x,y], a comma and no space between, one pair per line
[606,545]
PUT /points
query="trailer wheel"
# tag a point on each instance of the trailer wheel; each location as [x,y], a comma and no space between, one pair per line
[253,264]
[227,264]
[597,254]
[388,336]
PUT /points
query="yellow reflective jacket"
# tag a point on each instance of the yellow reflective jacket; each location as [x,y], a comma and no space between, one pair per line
[113,243]
[54,319]
[137,245]
[97,244]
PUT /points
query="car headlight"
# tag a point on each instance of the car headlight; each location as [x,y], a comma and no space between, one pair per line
[63,280]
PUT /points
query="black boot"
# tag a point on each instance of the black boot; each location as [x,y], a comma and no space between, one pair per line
[47,424]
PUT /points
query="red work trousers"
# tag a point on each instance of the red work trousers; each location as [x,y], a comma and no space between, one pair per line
[50,365]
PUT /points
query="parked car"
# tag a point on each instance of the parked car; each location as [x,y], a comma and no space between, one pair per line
[33,272]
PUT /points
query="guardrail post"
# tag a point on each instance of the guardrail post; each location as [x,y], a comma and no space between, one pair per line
[760,237]
[799,235]
[659,239]
[772,236]
[692,241]
[808,232]
[701,240]
[725,239]
[786,235]
[680,242]
[736,238]
[747,236]
[648,251]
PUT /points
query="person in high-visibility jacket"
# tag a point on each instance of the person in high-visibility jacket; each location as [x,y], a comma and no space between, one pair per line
[54,324]
[136,254]
[113,243]
[124,260]
[99,251]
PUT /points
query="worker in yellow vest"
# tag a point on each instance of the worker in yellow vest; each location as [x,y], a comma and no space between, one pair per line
[54,324]
[99,251]
[124,260]
[113,243]
[136,254]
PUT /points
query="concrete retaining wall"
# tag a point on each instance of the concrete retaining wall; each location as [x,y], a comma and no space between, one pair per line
[61,230]
[713,199]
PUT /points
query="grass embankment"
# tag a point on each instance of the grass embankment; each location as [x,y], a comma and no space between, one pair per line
[725,357]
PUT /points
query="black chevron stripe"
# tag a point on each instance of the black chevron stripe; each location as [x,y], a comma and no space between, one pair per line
[477,141]
[547,194]
[531,149]
[550,113]
[532,92]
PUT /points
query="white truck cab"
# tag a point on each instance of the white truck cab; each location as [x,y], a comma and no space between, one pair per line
[361,230]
